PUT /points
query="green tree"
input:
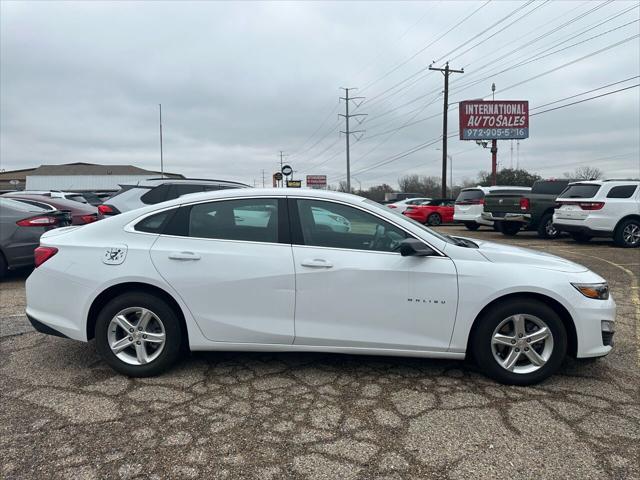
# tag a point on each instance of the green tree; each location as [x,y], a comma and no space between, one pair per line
[509,176]
[422,185]
[377,192]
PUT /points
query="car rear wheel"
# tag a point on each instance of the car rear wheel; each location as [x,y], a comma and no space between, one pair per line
[434,219]
[627,234]
[581,237]
[546,229]
[519,342]
[473,226]
[138,334]
[3,266]
[509,228]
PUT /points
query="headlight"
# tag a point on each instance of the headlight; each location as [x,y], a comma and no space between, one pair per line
[598,291]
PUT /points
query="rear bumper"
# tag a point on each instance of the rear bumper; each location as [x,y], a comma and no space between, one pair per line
[42,328]
[508,217]
[471,218]
[564,227]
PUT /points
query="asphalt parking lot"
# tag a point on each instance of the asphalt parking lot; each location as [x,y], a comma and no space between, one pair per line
[65,414]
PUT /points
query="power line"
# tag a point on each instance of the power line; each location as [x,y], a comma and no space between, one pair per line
[401,64]
[586,99]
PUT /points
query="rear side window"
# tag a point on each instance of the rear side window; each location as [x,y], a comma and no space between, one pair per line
[156,195]
[622,191]
[254,220]
[468,195]
[176,191]
[550,187]
[581,190]
[154,223]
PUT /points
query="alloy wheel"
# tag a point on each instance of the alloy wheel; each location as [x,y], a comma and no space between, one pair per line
[136,336]
[631,234]
[522,343]
[550,229]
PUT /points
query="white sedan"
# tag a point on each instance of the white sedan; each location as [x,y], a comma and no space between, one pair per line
[197,273]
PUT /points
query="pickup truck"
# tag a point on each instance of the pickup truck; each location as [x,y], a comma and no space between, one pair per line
[532,210]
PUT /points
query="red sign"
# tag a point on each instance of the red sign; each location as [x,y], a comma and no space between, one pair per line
[317,181]
[494,119]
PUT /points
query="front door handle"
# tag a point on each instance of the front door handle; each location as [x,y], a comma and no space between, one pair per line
[184,256]
[316,263]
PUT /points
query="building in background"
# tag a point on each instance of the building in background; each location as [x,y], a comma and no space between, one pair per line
[77,177]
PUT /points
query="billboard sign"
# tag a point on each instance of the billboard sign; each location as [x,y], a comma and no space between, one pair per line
[494,119]
[317,181]
[294,183]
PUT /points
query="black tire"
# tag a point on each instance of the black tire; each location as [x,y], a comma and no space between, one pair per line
[626,233]
[481,341]
[3,266]
[434,219]
[581,237]
[473,226]
[509,228]
[172,330]
[546,228]
[496,227]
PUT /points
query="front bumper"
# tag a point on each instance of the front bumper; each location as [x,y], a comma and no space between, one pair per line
[507,217]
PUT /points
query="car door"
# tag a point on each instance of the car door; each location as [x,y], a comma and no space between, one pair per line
[353,288]
[231,263]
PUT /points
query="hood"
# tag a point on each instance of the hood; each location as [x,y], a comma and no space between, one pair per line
[501,253]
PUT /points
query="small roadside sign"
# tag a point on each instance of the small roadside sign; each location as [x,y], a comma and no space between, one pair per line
[294,183]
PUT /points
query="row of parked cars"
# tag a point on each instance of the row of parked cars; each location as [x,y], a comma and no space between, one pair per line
[583,209]
[26,215]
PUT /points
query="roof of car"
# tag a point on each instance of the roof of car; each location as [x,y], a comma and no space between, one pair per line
[160,181]
[608,181]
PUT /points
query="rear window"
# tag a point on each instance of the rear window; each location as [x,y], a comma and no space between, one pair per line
[553,187]
[20,206]
[580,190]
[622,191]
[154,223]
[467,195]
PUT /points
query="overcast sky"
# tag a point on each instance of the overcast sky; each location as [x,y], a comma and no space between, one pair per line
[240,81]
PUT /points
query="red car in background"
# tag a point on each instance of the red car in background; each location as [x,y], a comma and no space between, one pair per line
[81,213]
[432,212]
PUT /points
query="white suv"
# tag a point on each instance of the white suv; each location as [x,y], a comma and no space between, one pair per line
[470,203]
[156,190]
[601,208]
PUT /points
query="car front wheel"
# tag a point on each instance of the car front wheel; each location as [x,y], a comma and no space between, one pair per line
[138,334]
[519,342]
[627,234]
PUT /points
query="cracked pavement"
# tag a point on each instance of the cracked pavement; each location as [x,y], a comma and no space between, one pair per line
[65,414]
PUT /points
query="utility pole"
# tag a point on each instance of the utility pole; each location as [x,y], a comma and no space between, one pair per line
[263,178]
[161,159]
[494,146]
[446,71]
[347,131]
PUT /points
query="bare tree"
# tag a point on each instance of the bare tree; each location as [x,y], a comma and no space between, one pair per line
[585,173]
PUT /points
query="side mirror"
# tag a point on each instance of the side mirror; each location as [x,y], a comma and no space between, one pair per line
[410,247]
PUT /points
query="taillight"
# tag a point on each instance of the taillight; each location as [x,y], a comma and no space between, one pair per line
[107,210]
[42,254]
[40,221]
[477,201]
[392,206]
[524,204]
[591,205]
[89,218]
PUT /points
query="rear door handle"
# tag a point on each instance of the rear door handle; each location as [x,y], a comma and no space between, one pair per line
[316,263]
[184,256]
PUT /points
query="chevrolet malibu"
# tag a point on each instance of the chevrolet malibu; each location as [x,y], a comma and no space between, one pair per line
[259,270]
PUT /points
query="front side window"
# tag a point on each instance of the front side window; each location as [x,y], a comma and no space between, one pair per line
[254,220]
[327,224]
